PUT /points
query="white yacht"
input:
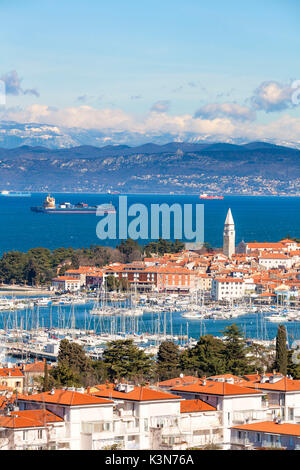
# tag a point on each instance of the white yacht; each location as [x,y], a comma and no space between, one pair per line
[192,315]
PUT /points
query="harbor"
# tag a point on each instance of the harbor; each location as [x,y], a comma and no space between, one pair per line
[32,327]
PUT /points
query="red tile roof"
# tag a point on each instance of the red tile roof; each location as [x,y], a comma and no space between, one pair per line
[282,385]
[217,388]
[137,394]
[192,406]
[64,397]
[271,427]
[37,366]
[186,380]
[11,372]
[29,419]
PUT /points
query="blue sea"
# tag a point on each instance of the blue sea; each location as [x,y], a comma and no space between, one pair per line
[256,219]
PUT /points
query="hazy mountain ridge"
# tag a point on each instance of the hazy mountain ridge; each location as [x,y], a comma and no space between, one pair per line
[177,166]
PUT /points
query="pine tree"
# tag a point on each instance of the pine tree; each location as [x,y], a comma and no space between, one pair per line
[236,349]
[206,358]
[124,359]
[281,357]
[168,360]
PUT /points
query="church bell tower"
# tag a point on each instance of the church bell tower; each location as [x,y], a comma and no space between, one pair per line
[229,236]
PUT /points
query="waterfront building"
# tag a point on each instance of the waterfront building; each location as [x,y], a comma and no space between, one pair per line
[66,283]
[227,288]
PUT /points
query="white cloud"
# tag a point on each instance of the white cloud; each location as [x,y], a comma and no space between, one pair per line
[112,122]
[231,110]
[272,96]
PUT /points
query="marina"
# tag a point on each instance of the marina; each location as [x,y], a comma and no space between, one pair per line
[33,327]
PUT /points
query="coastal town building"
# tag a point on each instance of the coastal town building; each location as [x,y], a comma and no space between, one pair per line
[66,283]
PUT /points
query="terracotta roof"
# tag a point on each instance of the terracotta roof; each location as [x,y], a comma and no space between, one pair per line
[271,427]
[273,256]
[253,377]
[29,419]
[186,380]
[265,245]
[84,270]
[217,388]
[65,278]
[64,397]
[192,406]
[137,394]
[11,372]
[37,366]
[282,385]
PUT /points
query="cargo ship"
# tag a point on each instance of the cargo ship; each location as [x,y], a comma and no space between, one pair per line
[49,207]
[15,193]
[206,196]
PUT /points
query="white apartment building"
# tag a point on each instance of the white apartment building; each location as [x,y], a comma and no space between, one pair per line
[236,404]
[78,411]
[66,283]
[227,288]
[275,260]
[30,430]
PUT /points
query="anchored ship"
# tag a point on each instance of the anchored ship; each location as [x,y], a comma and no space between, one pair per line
[206,196]
[49,207]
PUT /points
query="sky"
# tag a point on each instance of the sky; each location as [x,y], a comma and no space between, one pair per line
[190,70]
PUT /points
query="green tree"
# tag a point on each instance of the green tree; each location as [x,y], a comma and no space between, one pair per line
[130,249]
[168,360]
[206,358]
[281,356]
[112,283]
[293,365]
[73,365]
[236,351]
[124,359]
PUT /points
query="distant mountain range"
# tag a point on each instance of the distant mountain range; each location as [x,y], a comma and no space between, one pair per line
[179,167]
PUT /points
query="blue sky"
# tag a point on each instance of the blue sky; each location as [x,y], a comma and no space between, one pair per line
[160,60]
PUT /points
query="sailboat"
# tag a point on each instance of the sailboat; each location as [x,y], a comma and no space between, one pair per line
[103,308]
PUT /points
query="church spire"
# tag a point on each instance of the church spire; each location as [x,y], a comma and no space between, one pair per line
[229,235]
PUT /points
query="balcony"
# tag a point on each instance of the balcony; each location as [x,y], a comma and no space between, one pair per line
[248,416]
[95,427]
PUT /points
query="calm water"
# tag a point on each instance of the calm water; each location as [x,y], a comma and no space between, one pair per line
[254,325]
[256,218]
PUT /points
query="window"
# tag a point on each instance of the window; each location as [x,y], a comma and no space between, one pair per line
[258,437]
[40,434]
[291,414]
[25,435]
